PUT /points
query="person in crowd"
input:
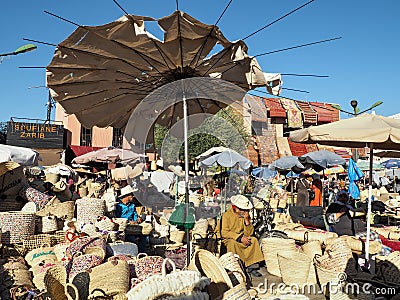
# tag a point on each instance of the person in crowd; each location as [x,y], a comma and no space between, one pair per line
[125,208]
[316,186]
[343,218]
[302,187]
[396,184]
[236,230]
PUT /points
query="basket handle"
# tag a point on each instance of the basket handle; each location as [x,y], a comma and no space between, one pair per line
[164,266]
[141,254]
[306,236]
[74,288]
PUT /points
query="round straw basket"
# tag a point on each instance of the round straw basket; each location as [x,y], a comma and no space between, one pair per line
[38,255]
[111,277]
[230,262]
[271,247]
[294,268]
[296,234]
[21,277]
[90,209]
[312,248]
[319,235]
[176,236]
[55,281]
[238,292]
[208,265]
[16,226]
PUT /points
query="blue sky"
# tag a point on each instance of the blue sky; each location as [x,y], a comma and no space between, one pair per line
[363,65]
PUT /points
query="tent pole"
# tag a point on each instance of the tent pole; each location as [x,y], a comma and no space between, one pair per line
[371,156]
[185,135]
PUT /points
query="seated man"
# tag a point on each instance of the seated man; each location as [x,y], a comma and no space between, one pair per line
[125,208]
[236,231]
[343,218]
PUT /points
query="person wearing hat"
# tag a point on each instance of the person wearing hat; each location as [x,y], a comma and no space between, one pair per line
[125,208]
[236,230]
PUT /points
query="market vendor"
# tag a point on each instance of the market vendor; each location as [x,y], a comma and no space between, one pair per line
[125,208]
[236,231]
[343,218]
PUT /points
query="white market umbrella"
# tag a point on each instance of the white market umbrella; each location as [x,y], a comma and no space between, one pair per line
[374,131]
[21,155]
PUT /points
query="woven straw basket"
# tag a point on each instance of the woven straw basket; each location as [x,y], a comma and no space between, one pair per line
[55,282]
[176,236]
[37,241]
[16,226]
[49,224]
[90,209]
[231,263]
[238,292]
[112,278]
[294,268]
[271,247]
[312,248]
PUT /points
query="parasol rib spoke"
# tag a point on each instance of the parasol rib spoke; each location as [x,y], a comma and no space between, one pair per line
[92,54]
[200,51]
[284,16]
[141,55]
[299,46]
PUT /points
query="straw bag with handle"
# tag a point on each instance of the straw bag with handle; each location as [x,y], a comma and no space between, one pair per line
[49,224]
[175,284]
[55,282]
[109,279]
[37,255]
[146,266]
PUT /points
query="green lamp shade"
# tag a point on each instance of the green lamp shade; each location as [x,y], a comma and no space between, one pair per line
[25,48]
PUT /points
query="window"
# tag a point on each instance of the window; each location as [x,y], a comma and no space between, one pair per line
[117,137]
[86,136]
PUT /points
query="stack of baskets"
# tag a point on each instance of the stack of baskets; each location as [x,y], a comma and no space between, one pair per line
[271,247]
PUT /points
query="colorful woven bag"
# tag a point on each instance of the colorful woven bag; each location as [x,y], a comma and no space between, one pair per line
[146,266]
[16,226]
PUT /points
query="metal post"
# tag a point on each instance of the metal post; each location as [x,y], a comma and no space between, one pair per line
[185,136]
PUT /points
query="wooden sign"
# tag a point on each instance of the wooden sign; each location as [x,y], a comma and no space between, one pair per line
[35,135]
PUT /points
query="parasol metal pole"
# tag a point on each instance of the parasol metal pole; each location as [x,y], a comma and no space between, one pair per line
[291,190]
[185,136]
[371,156]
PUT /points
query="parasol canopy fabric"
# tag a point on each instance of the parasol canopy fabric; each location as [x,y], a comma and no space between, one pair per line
[321,159]
[354,174]
[287,163]
[21,155]
[263,173]
[356,132]
[391,164]
[101,73]
[364,165]
[109,155]
[227,159]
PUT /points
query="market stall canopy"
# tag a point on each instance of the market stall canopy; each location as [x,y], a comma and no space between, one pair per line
[101,73]
[287,163]
[110,155]
[321,159]
[387,153]
[227,159]
[391,164]
[212,151]
[356,132]
[21,155]
[263,173]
